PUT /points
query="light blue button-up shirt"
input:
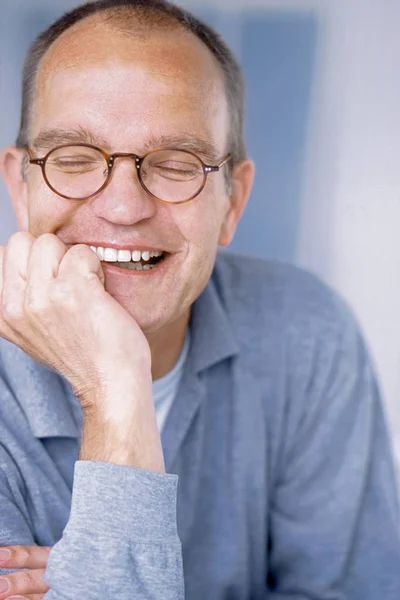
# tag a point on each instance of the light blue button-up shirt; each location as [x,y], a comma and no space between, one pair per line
[277,438]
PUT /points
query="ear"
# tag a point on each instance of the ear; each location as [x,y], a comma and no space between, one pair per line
[242,183]
[11,160]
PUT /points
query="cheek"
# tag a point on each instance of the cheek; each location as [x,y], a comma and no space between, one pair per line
[200,220]
[46,211]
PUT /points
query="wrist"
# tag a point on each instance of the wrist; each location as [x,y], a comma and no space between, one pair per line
[110,384]
[120,427]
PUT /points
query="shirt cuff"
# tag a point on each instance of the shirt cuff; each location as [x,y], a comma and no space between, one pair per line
[116,499]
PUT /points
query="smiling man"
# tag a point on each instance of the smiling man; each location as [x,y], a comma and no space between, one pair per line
[134,356]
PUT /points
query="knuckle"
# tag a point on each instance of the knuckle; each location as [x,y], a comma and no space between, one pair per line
[79,248]
[46,240]
[11,311]
[25,581]
[18,238]
[20,582]
[80,252]
[17,245]
[35,304]
[24,554]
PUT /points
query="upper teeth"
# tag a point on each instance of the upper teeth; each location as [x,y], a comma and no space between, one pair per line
[114,255]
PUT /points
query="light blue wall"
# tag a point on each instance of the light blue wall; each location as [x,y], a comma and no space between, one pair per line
[278,60]
[277,51]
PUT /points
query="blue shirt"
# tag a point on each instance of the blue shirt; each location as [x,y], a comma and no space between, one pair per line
[277,437]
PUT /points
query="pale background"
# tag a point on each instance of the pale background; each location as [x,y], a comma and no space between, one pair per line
[324,129]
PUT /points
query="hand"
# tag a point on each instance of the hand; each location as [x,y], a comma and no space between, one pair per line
[55,307]
[28,584]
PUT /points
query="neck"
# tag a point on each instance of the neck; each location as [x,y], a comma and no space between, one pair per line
[166,346]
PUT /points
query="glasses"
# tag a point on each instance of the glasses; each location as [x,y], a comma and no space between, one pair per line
[81,171]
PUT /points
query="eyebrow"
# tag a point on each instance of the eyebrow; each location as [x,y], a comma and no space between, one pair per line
[51,138]
[186,141]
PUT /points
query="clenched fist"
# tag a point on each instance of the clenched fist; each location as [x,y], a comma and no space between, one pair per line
[55,307]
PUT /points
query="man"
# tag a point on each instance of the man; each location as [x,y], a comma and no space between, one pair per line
[133,355]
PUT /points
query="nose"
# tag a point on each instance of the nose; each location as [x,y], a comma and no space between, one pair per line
[124,201]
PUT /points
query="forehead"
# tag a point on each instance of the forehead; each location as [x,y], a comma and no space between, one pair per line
[130,85]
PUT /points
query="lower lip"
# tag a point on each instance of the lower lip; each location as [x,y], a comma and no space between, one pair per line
[159,269]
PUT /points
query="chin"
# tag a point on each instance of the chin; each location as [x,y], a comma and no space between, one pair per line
[149,320]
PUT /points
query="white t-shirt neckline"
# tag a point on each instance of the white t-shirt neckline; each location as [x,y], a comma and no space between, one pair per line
[166,388]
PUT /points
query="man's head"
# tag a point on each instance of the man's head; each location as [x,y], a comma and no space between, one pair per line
[131,76]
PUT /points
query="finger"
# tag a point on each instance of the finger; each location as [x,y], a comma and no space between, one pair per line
[5,331]
[46,255]
[15,265]
[24,582]
[28,597]
[26,557]
[2,251]
[80,259]
[16,257]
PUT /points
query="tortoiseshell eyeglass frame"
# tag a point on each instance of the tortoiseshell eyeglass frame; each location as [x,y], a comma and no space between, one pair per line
[111,158]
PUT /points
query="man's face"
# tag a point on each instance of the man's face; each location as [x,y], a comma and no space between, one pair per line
[134,95]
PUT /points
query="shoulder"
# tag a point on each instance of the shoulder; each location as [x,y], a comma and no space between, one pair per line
[289,325]
[299,345]
[262,290]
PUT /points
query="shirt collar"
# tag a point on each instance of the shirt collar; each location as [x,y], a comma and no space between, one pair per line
[211,329]
[47,399]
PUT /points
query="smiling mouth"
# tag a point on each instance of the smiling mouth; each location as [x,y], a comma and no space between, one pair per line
[135,260]
[137,266]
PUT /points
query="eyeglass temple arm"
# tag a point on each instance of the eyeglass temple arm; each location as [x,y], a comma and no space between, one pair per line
[214,169]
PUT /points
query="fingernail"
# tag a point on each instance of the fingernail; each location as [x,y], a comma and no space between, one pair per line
[4,555]
[4,585]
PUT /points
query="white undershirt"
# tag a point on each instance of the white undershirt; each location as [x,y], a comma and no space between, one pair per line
[166,388]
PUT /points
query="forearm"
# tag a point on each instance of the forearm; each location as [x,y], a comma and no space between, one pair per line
[121,540]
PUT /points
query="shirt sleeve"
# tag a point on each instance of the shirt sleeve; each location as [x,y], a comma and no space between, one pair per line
[14,524]
[334,519]
[14,521]
[121,539]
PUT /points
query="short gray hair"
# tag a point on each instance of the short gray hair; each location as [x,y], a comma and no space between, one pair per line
[149,13]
